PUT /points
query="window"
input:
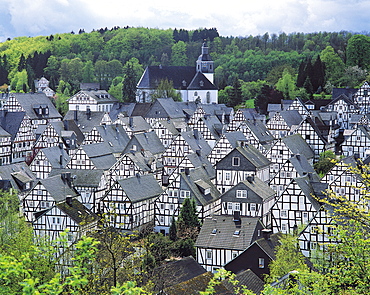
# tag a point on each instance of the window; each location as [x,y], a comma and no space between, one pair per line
[208,95]
[241,193]
[283,213]
[229,206]
[314,229]
[284,227]
[253,207]
[214,231]
[236,161]
[237,233]
[237,206]
[209,254]
[261,262]
[184,194]
[227,176]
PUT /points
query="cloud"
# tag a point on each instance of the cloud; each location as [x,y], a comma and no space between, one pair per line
[231,18]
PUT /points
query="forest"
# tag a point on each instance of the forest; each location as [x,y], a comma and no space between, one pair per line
[246,68]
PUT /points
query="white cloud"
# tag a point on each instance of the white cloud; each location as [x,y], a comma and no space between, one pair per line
[231,18]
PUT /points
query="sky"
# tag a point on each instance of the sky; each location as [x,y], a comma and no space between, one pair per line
[230,17]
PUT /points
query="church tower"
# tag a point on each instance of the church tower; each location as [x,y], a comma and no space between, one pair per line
[205,64]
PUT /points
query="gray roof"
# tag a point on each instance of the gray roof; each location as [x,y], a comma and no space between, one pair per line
[146,141]
[115,136]
[214,125]
[259,129]
[57,188]
[256,189]
[301,165]
[140,187]
[57,157]
[165,108]
[196,141]
[291,117]
[16,174]
[30,101]
[85,122]
[225,237]
[100,154]
[82,177]
[312,188]
[197,180]
[247,279]
[136,123]
[202,161]
[11,122]
[234,138]
[297,145]
[200,82]
[253,155]
[124,109]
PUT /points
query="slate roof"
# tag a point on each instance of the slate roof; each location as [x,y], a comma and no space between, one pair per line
[226,227]
[125,109]
[136,123]
[165,108]
[349,92]
[297,145]
[196,141]
[141,161]
[253,155]
[214,125]
[77,212]
[57,157]
[197,180]
[16,173]
[11,122]
[255,187]
[85,122]
[141,109]
[29,101]
[140,187]
[291,117]
[234,138]
[202,161]
[200,82]
[147,141]
[115,136]
[82,177]
[312,188]
[57,188]
[153,75]
[247,278]
[100,154]
[301,165]
[175,272]
[259,129]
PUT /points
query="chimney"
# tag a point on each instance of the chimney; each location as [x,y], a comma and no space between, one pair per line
[196,134]
[298,156]
[88,114]
[236,215]
[69,200]
[266,233]
[187,171]
[75,115]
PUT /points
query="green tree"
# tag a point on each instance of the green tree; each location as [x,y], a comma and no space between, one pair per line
[188,224]
[334,65]
[129,84]
[327,160]
[236,94]
[165,90]
[286,85]
[88,72]
[115,88]
[358,51]
[178,56]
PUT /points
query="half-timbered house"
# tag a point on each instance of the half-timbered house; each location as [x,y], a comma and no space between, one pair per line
[251,197]
[362,98]
[284,123]
[17,177]
[134,124]
[210,128]
[243,115]
[345,109]
[284,148]
[5,147]
[224,237]
[91,100]
[224,114]
[47,159]
[46,193]
[357,143]
[240,163]
[167,130]
[297,204]
[227,142]
[129,202]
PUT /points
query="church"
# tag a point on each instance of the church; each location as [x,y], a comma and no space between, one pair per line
[193,83]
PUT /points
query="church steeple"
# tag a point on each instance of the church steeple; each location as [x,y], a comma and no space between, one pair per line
[205,63]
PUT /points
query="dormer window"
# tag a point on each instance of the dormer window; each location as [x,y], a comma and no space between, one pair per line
[237,233]
[214,231]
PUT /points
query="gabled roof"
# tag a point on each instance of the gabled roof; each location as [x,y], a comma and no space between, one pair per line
[147,141]
[165,108]
[301,165]
[196,141]
[77,212]
[30,101]
[234,138]
[291,117]
[11,122]
[253,155]
[141,109]
[345,99]
[140,187]
[247,279]
[100,96]
[202,161]
[125,109]
[100,154]
[136,123]
[343,91]
[197,181]
[114,135]
[200,82]
[312,188]
[82,177]
[85,121]
[214,125]
[256,188]
[153,75]
[58,188]
[57,157]
[297,145]
[225,236]
[13,172]
[259,129]
[175,272]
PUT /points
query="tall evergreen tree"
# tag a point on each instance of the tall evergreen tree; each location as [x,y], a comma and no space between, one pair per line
[236,94]
[318,75]
[188,224]
[129,85]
